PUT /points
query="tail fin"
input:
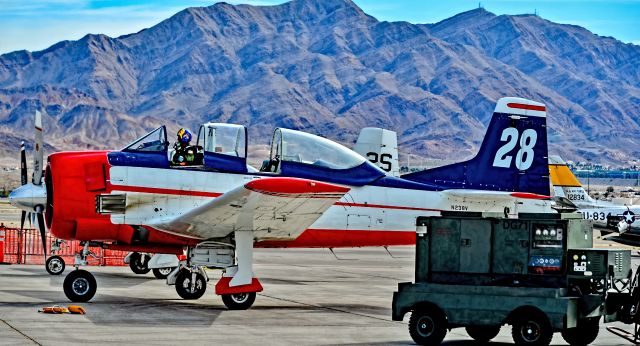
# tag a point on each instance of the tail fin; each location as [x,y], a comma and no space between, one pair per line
[379,146]
[565,184]
[512,157]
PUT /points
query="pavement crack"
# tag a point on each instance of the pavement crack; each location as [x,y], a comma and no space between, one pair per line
[20,332]
[330,308]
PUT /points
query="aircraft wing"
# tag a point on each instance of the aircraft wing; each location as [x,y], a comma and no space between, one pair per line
[491,195]
[273,208]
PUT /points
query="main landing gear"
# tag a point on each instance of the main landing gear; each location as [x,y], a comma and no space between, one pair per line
[141,263]
[237,286]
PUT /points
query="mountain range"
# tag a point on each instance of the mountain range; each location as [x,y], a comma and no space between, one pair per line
[328,68]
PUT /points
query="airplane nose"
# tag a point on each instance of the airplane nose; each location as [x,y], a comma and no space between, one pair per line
[28,196]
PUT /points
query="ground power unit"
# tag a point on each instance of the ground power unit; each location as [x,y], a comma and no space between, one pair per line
[538,272]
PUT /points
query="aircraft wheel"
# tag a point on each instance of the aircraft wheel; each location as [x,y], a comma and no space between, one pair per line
[162,273]
[190,285]
[80,286]
[54,265]
[138,263]
[239,301]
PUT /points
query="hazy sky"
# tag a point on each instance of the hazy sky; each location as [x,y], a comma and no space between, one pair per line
[37,24]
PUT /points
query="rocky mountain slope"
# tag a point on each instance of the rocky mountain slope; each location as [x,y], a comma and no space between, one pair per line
[328,68]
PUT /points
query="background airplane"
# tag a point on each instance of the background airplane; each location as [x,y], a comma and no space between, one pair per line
[606,215]
[312,192]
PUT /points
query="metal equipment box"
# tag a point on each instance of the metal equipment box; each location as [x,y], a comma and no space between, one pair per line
[482,271]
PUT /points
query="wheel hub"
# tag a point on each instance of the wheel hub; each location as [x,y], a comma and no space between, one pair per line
[55,265]
[240,297]
[80,286]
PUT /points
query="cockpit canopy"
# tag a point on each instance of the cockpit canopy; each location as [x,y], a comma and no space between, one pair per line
[303,155]
[225,146]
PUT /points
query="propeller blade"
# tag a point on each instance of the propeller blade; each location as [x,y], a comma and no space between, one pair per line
[32,220]
[37,151]
[23,165]
[22,217]
[43,233]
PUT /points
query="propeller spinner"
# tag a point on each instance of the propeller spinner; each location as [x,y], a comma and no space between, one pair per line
[32,197]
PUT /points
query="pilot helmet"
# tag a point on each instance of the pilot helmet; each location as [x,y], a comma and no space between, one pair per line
[184,136]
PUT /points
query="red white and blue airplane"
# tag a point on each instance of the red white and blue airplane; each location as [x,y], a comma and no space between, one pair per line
[312,192]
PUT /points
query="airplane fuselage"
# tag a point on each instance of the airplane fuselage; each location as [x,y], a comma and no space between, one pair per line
[366,216]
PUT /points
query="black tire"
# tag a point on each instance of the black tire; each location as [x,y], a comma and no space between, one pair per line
[185,289]
[239,301]
[482,334]
[54,265]
[427,326]
[162,273]
[80,286]
[136,263]
[531,328]
[584,334]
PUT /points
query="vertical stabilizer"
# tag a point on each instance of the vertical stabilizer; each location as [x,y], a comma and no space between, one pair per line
[379,146]
[512,157]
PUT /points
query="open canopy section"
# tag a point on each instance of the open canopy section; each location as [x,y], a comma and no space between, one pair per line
[303,155]
[225,147]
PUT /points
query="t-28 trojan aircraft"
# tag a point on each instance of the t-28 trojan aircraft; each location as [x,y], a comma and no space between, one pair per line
[312,192]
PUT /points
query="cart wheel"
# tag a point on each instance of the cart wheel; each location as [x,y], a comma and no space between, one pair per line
[427,326]
[80,286]
[482,334]
[136,263]
[189,288]
[54,265]
[162,273]
[532,328]
[239,301]
[584,334]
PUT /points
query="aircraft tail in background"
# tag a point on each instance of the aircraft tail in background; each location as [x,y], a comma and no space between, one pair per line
[513,155]
[380,147]
[565,184]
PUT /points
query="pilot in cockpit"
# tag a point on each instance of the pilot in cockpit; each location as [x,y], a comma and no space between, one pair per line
[184,153]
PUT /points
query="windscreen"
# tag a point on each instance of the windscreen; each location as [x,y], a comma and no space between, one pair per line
[155,140]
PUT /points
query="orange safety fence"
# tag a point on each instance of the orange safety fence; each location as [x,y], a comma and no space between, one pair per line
[25,247]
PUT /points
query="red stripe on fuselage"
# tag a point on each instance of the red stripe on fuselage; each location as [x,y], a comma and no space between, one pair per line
[528,107]
[163,191]
[368,205]
[332,238]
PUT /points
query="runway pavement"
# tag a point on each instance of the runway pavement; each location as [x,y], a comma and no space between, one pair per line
[310,297]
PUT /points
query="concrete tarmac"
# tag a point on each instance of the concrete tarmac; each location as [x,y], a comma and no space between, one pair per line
[310,298]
